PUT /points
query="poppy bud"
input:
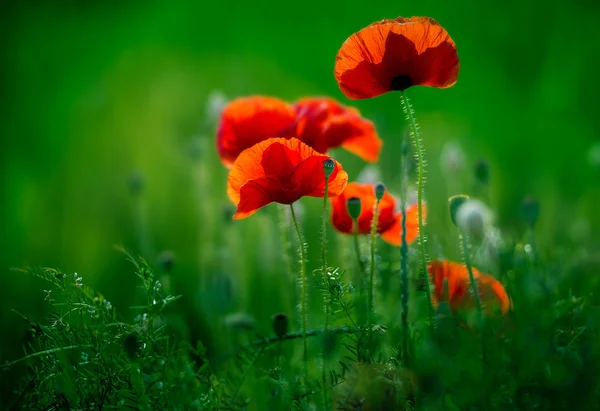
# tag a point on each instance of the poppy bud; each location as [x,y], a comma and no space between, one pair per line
[454,204]
[379,191]
[474,218]
[452,158]
[136,183]
[241,321]
[328,166]
[531,210]
[280,324]
[166,259]
[354,207]
[482,172]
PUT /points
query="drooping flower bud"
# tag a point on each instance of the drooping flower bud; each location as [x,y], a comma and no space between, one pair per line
[241,321]
[482,172]
[379,191]
[474,218]
[452,158]
[166,259]
[454,204]
[136,183]
[280,324]
[354,207]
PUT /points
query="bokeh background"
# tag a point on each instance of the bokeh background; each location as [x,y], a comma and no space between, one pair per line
[107,137]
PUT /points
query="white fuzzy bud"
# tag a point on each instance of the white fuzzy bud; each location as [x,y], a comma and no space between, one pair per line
[474,218]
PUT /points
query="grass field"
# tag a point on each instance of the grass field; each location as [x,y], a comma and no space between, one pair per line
[108,144]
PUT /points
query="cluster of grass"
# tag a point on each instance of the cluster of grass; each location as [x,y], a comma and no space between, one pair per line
[542,355]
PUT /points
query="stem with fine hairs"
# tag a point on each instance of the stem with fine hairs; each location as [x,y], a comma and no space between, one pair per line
[303,312]
[372,272]
[325,283]
[408,110]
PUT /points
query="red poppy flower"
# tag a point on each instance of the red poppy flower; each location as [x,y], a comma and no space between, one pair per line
[395,55]
[389,222]
[323,123]
[279,170]
[250,120]
[458,293]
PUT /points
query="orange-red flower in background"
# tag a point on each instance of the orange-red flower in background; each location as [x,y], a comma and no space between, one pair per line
[394,55]
[458,293]
[389,222]
[250,120]
[323,123]
[279,170]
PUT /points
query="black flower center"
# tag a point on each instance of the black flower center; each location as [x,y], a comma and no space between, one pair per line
[401,82]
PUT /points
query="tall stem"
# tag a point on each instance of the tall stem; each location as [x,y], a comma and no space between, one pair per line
[303,312]
[325,284]
[404,295]
[372,273]
[465,247]
[361,265]
[408,110]
[404,287]
[287,250]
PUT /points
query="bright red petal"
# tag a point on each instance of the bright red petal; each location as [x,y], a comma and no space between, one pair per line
[394,55]
[249,120]
[254,194]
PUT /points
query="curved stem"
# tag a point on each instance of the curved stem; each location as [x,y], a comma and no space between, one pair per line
[325,284]
[465,247]
[372,273]
[408,110]
[303,312]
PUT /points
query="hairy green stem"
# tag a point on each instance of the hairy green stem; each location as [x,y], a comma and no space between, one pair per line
[325,284]
[404,287]
[404,294]
[465,247]
[303,312]
[287,249]
[361,265]
[372,272]
[408,110]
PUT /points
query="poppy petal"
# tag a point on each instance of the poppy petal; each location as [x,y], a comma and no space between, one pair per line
[492,288]
[253,195]
[249,120]
[394,55]
[279,170]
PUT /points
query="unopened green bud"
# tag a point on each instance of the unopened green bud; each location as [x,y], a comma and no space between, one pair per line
[531,210]
[354,207]
[328,167]
[454,204]
[280,324]
[482,171]
[379,191]
[166,259]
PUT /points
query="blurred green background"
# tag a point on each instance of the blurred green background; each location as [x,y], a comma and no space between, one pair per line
[100,97]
